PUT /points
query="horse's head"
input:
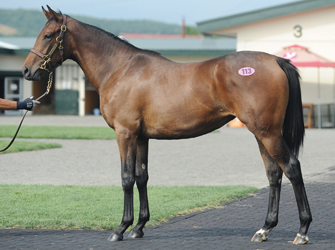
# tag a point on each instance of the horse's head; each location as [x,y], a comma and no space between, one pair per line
[47,53]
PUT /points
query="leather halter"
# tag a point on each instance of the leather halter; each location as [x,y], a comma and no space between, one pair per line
[58,44]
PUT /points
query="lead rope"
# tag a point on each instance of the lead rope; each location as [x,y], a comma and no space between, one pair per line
[18,129]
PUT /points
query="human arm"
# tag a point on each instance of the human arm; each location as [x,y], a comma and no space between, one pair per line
[28,104]
[7,104]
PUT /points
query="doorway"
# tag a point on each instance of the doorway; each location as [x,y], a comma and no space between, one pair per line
[12,90]
[47,106]
[92,100]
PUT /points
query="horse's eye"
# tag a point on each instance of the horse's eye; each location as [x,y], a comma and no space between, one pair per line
[47,36]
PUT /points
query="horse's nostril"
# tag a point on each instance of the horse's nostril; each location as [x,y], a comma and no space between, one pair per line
[26,71]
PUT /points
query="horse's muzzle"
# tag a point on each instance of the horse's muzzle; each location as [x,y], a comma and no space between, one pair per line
[29,75]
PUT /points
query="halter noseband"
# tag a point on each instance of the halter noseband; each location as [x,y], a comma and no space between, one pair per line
[58,44]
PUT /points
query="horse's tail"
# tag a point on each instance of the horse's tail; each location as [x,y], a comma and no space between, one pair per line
[293,128]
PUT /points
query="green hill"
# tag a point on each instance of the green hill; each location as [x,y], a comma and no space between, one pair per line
[28,23]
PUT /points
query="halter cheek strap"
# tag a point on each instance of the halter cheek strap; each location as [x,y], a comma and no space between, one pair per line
[58,44]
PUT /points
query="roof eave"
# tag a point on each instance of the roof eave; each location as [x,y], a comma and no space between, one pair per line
[210,26]
[210,53]
[4,51]
[18,52]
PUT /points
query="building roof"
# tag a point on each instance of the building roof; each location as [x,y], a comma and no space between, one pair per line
[164,44]
[210,26]
[16,45]
[176,45]
[157,36]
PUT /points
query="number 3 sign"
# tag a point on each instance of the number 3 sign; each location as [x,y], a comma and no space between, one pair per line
[297,31]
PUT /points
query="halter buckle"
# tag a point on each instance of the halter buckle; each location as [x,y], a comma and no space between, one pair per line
[44,65]
[63,28]
[60,43]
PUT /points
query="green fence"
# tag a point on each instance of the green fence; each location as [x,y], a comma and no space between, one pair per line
[327,115]
[66,102]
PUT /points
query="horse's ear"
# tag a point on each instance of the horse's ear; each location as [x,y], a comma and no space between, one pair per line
[46,13]
[54,14]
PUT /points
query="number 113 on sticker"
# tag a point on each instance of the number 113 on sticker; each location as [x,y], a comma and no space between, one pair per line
[246,71]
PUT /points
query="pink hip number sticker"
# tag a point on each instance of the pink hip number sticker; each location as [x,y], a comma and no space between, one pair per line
[246,71]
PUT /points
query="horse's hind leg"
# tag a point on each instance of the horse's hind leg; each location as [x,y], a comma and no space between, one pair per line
[141,178]
[279,151]
[274,174]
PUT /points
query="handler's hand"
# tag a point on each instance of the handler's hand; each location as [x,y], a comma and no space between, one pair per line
[28,104]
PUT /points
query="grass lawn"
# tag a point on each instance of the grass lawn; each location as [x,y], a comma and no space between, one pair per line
[19,146]
[101,207]
[58,132]
[92,207]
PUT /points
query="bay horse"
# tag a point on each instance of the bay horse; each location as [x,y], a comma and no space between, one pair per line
[146,96]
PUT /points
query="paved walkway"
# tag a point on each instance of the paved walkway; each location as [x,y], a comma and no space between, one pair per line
[54,120]
[227,158]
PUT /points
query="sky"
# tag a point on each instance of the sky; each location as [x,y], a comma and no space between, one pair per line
[169,11]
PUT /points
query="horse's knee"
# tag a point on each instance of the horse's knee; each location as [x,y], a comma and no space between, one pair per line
[128,182]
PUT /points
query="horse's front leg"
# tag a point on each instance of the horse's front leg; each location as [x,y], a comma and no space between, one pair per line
[141,178]
[127,147]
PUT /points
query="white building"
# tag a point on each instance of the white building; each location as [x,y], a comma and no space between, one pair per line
[308,23]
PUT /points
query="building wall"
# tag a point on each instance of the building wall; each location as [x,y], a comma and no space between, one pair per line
[68,76]
[10,63]
[273,34]
[317,33]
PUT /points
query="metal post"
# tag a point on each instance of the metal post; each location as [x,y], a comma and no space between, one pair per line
[319,100]
[334,99]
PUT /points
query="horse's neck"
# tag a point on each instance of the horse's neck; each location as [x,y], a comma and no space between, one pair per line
[98,55]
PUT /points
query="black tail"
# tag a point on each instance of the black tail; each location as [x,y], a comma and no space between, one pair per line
[293,128]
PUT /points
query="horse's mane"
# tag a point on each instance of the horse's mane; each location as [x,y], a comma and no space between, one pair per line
[118,39]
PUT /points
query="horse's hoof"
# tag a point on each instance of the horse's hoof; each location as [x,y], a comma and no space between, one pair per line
[300,240]
[135,234]
[115,237]
[260,235]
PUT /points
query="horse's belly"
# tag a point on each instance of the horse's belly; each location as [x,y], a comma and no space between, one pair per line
[184,127]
